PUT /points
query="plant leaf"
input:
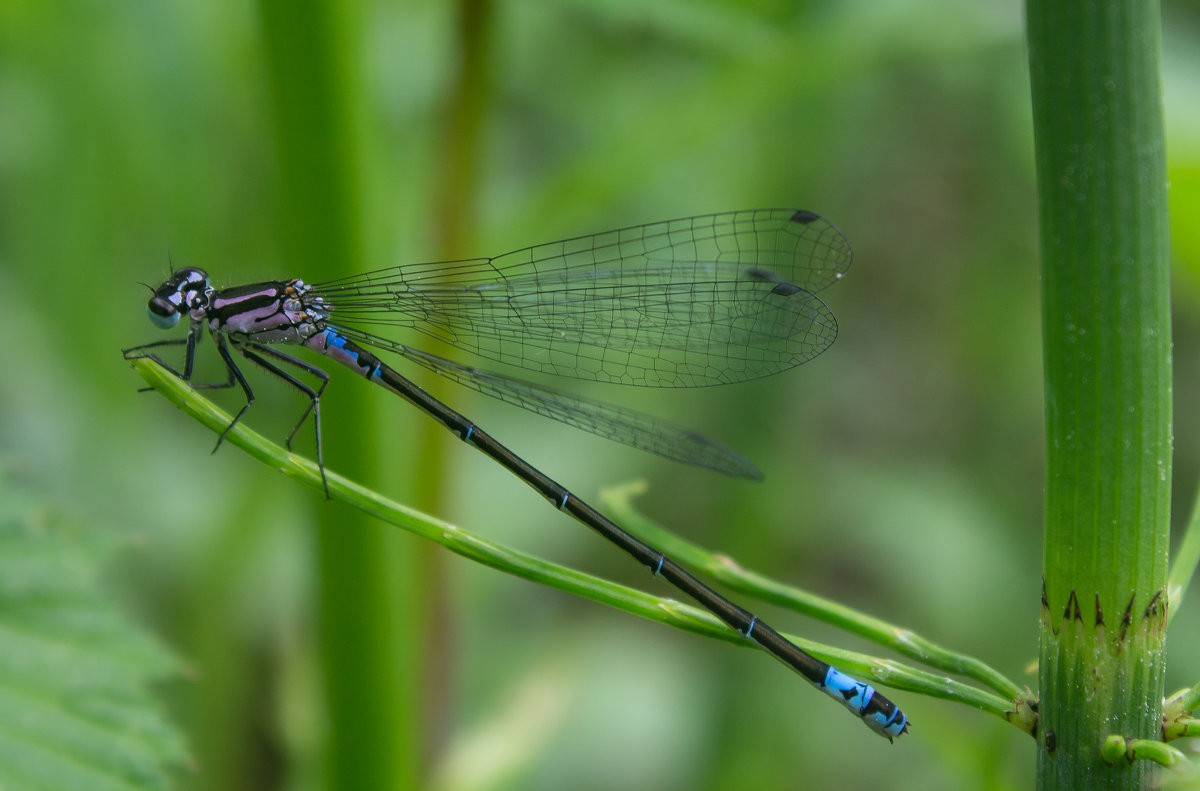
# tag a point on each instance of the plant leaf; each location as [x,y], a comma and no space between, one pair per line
[75,710]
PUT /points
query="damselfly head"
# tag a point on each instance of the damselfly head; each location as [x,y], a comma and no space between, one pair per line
[183,290]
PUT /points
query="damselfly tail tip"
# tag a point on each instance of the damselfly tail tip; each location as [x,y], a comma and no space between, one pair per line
[893,733]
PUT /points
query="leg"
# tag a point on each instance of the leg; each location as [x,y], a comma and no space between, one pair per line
[307,367]
[139,352]
[252,352]
[236,373]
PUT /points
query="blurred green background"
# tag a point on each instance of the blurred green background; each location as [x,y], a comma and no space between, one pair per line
[903,466]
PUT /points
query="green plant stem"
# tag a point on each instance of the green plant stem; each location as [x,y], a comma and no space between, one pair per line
[454,186]
[663,610]
[1117,749]
[1187,699]
[1107,341]
[366,594]
[1178,721]
[721,567]
[1183,565]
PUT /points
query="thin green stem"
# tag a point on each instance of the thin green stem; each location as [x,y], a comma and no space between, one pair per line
[663,610]
[1187,699]
[1117,749]
[1178,721]
[1183,565]
[721,567]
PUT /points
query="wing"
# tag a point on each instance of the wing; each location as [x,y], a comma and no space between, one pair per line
[682,303]
[627,426]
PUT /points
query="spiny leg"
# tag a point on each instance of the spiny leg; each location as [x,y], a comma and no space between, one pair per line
[139,352]
[303,365]
[314,396]
[236,373]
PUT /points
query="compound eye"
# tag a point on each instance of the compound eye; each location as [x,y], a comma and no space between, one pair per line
[162,313]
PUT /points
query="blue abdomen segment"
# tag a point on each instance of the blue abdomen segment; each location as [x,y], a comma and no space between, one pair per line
[333,344]
[879,713]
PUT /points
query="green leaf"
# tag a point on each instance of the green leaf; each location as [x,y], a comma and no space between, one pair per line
[75,710]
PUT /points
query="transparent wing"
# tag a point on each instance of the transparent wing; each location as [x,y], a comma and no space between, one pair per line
[682,303]
[627,426]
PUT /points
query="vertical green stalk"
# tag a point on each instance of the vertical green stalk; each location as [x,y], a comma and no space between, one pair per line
[371,674]
[1103,208]
[455,185]
[458,168]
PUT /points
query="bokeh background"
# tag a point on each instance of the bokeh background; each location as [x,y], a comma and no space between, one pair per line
[903,466]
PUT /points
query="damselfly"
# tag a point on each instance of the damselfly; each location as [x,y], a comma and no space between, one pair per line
[684,303]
